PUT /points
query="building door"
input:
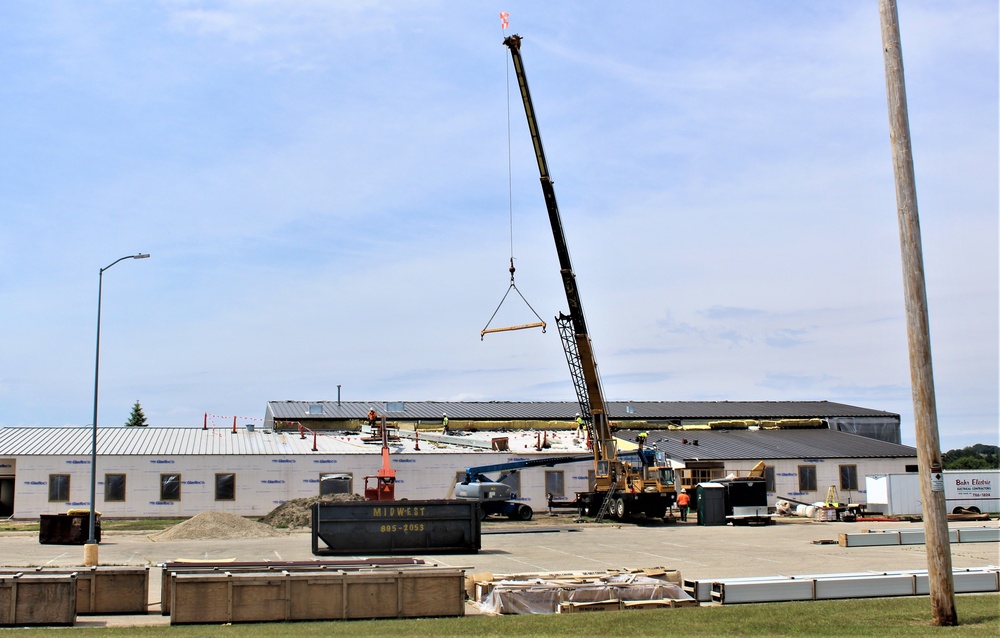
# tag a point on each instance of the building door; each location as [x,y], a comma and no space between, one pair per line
[6,496]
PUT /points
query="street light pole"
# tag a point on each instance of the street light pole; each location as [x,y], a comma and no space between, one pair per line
[90,549]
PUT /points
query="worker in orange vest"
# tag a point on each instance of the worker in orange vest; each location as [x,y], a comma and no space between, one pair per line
[372,417]
[683,503]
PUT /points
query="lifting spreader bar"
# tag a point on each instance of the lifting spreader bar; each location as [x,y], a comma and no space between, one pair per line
[538,324]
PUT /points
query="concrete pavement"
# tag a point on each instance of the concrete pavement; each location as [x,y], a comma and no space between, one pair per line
[791,547]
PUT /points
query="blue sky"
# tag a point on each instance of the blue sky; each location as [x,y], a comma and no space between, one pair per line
[324,189]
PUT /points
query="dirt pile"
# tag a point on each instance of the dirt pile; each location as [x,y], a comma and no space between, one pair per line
[298,511]
[215,525]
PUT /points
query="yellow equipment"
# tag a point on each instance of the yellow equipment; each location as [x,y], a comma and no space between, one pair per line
[832,498]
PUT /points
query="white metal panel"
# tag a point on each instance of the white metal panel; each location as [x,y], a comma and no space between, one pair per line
[877,487]
[762,592]
[978,534]
[871,539]
[966,582]
[701,590]
[865,586]
[904,495]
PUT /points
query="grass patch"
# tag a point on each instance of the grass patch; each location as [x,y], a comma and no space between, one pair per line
[124,525]
[10,526]
[140,524]
[979,615]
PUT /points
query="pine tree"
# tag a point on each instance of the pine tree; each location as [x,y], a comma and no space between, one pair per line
[137,418]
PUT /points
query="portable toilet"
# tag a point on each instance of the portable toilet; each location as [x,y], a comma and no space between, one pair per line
[711,504]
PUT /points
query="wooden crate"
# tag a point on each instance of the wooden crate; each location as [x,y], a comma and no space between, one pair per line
[36,599]
[275,567]
[102,590]
[236,598]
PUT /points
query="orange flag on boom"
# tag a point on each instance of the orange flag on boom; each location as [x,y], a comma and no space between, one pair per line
[503,20]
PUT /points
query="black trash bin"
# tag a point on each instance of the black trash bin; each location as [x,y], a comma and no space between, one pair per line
[67,529]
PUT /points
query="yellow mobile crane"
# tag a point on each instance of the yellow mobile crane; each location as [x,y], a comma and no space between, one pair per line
[625,484]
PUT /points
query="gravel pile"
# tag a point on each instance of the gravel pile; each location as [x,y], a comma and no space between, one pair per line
[216,525]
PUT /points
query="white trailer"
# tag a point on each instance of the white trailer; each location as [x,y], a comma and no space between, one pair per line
[899,494]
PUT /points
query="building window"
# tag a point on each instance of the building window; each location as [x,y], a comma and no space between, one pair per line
[807,478]
[330,484]
[225,487]
[555,484]
[769,479]
[911,468]
[170,487]
[591,480]
[849,477]
[59,487]
[114,487]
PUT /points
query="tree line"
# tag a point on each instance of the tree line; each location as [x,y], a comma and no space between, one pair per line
[975,457]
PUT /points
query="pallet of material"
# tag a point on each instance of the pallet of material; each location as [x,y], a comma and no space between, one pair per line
[102,589]
[37,599]
[480,584]
[270,567]
[627,605]
[546,593]
[318,595]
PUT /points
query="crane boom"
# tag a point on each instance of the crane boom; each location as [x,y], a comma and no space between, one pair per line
[593,403]
[622,485]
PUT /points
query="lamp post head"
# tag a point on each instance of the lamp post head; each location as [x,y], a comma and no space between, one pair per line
[141,256]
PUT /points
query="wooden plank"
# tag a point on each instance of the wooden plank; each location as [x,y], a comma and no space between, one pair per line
[259,599]
[196,598]
[428,595]
[319,598]
[371,596]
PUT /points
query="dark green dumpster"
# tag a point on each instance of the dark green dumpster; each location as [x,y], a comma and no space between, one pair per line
[67,529]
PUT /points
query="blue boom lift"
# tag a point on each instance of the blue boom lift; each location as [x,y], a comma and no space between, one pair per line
[499,498]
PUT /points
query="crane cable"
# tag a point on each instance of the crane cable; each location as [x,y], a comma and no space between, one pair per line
[510,214]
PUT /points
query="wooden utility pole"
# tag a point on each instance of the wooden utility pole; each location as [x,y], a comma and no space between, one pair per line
[935,514]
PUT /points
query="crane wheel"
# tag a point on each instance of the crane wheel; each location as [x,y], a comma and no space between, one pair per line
[621,510]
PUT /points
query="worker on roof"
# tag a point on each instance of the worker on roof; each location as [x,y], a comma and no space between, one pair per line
[641,440]
[683,503]
[579,424]
[444,422]
[372,417]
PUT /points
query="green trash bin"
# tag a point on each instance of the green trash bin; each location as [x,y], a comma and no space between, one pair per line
[711,504]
